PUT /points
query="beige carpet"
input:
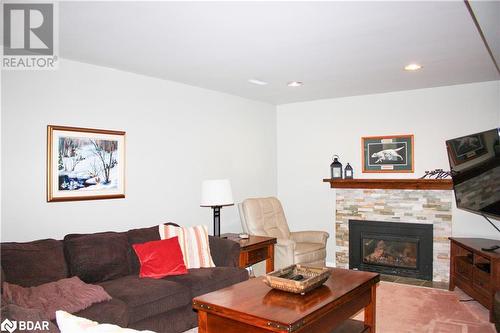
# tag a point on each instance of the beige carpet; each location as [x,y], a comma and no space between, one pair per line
[409,309]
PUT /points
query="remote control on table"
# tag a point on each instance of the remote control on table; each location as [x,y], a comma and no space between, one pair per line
[491,248]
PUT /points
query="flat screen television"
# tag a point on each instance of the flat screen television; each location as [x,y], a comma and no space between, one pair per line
[475,170]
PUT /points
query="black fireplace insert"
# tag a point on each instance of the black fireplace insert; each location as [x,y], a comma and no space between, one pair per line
[402,249]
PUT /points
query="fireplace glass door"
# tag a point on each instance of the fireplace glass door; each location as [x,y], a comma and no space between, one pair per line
[390,251]
[395,248]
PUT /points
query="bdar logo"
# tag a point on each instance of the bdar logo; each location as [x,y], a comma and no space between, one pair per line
[8,325]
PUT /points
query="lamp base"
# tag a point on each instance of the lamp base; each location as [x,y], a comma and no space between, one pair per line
[216,220]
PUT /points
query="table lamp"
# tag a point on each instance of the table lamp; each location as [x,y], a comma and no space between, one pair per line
[216,193]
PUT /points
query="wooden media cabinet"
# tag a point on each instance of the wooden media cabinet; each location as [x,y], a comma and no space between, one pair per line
[475,271]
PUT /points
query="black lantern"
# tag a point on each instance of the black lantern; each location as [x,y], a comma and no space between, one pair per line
[348,173]
[336,168]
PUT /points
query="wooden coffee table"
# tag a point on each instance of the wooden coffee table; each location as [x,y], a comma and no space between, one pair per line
[252,306]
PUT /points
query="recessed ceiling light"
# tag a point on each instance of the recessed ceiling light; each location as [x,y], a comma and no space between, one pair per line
[257,82]
[412,67]
[295,84]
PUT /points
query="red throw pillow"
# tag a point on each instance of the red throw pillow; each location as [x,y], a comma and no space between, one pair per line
[160,258]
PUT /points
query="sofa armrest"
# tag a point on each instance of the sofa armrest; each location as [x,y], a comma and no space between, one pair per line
[310,236]
[224,252]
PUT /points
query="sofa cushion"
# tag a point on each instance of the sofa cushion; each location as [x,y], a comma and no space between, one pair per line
[204,280]
[146,297]
[97,257]
[224,252]
[138,236]
[177,320]
[33,263]
[114,312]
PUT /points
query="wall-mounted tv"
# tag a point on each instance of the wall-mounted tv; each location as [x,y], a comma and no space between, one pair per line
[475,170]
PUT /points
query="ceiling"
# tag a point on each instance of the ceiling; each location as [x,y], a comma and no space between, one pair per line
[487,14]
[336,48]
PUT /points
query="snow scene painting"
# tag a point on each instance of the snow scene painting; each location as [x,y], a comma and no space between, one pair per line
[85,164]
[388,153]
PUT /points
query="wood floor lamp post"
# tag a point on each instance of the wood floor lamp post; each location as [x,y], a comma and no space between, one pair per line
[216,193]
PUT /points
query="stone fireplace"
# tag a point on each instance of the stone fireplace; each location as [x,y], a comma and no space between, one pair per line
[431,208]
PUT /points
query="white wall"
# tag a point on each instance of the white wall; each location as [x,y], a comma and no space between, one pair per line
[177,136]
[310,133]
[200,134]
[1,157]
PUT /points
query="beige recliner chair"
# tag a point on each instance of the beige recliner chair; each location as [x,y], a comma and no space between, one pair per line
[265,217]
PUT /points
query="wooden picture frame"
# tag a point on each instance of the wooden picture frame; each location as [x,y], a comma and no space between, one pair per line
[466,148]
[85,164]
[388,154]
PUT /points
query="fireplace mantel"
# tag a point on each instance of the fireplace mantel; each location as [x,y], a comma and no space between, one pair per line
[394,184]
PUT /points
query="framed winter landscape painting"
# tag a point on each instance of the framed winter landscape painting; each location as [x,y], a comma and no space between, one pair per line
[392,153]
[85,164]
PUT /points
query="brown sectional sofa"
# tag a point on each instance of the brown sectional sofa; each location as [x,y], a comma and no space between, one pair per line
[107,259]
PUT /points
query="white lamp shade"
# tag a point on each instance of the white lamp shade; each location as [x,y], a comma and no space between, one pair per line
[216,192]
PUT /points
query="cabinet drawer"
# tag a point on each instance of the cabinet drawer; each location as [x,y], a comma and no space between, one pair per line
[463,268]
[257,255]
[481,281]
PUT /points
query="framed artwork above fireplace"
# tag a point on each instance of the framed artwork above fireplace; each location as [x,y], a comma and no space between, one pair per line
[392,153]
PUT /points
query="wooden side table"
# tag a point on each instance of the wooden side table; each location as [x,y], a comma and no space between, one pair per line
[255,249]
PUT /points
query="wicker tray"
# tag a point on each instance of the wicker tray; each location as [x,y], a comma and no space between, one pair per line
[313,278]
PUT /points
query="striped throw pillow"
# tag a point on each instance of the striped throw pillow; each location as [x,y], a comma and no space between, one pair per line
[193,242]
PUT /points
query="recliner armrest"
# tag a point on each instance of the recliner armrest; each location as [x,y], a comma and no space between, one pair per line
[310,236]
[283,242]
[225,252]
[284,252]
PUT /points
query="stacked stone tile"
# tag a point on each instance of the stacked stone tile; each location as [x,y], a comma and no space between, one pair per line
[406,206]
